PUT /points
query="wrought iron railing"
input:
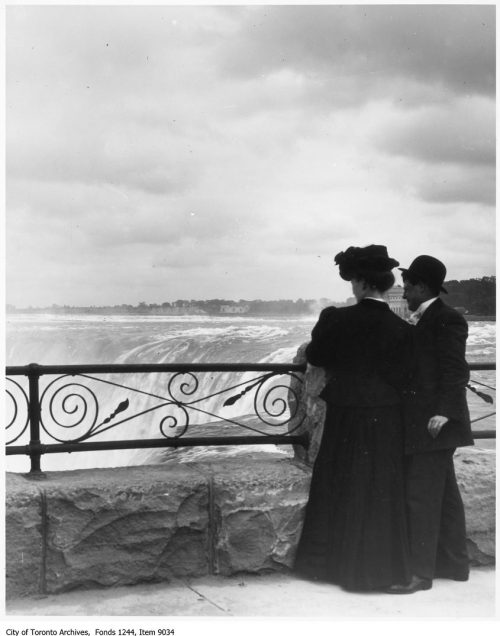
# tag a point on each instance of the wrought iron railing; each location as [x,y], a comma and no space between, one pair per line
[66,410]
[472,386]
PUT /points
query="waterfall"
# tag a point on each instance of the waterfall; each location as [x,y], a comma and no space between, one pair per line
[75,402]
[57,340]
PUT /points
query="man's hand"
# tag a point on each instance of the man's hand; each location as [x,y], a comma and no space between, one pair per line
[435,424]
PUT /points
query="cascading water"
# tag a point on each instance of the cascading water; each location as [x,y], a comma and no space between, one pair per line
[165,339]
[137,340]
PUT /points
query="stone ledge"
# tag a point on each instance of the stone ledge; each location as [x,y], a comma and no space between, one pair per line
[125,525]
[24,541]
[476,470]
[120,526]
[257,512]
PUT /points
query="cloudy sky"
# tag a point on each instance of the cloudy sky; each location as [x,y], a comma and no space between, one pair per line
[158,153]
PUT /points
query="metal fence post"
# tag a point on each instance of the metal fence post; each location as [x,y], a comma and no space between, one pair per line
[34,446]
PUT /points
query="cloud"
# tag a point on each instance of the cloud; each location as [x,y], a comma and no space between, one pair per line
[88,70]
[461,131]
[351,47]
[86,148]
[458,185]
[439,153]
[233,150]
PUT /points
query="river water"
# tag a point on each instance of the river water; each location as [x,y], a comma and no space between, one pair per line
[84,339]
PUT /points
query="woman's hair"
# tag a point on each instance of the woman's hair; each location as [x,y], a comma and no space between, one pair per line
[371,264]
[382,281]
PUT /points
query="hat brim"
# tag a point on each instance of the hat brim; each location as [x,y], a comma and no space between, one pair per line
[403,270]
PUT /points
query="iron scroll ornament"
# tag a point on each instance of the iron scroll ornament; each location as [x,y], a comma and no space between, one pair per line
[19,407]
[262,403]
[76,401]
[74,407]
[169,425]
[80,410]
[274,407]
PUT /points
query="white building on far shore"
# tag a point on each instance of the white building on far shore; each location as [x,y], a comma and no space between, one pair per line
[396,301]
[234,309]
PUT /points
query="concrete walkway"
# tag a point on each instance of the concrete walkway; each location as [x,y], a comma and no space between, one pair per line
[272,595]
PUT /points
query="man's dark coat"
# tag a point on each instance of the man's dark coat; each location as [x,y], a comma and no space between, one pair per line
[441,374]
[436,515]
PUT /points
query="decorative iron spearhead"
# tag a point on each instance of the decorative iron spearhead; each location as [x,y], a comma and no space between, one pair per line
[234,398]
[121,407]
[484,396]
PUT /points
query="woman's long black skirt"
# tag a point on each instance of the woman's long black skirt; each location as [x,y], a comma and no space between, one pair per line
[354,531]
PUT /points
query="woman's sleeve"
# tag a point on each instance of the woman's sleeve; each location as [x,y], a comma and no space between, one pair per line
[319,350]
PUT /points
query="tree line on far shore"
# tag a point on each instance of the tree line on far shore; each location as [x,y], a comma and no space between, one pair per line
[473,296]
[476,295]
[213,306]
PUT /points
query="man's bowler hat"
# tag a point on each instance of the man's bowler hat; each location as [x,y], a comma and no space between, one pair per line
[427,269]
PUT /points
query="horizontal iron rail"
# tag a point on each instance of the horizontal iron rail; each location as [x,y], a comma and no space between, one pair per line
[489,434]
[35,449]
[482,366]
[76,447]
[75,369]
[68,447]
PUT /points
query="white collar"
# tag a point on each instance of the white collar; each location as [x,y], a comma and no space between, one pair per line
[380,300]
[418,313]
[425,305]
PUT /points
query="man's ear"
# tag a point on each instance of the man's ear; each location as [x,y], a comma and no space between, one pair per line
[424,290]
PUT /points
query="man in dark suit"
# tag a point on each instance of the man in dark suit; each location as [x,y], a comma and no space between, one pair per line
[437,423]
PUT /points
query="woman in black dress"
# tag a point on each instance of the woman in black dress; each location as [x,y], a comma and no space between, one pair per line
[354,532]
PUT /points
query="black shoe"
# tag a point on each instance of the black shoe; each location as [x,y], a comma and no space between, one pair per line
[415,585]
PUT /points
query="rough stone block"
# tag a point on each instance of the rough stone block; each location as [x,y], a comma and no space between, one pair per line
[125,525]
[311,406]
[475,470]
[258,508]
[119,526]
[23,536]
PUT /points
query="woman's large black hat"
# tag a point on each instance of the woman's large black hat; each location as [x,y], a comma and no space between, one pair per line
[359,261]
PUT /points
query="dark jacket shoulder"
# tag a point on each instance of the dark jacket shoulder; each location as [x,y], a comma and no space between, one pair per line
[364,350]
[440,311]
[440,380]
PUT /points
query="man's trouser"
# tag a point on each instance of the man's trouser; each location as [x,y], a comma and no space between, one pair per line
[436,519]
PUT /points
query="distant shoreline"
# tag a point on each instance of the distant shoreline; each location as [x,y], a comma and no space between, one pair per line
[41,312]
[159,315]
[473,318]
